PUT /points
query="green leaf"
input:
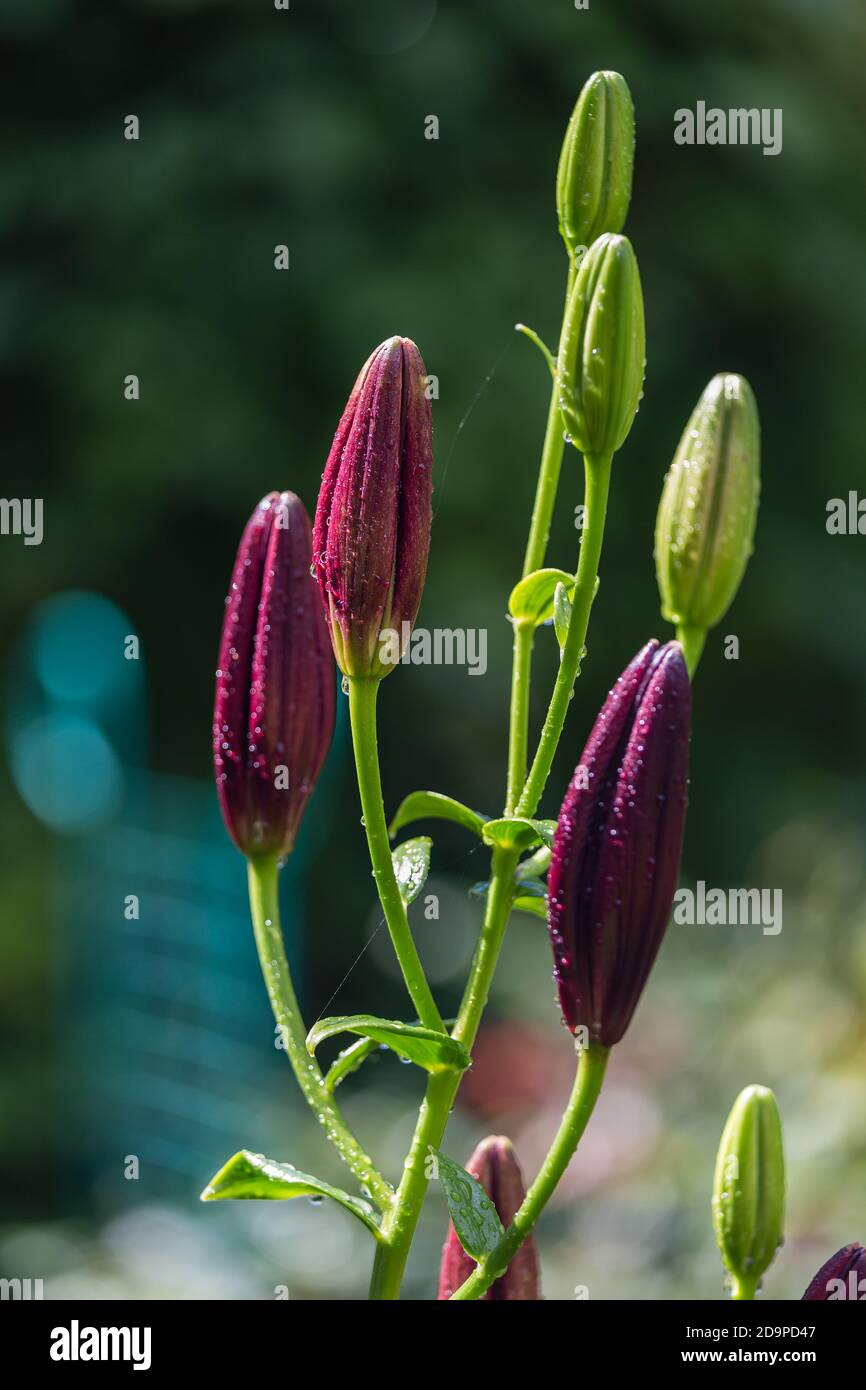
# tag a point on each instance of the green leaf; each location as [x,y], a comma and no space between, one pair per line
[534,867]
[353,1057]
[561,613]
[424,1046]
[251,1175]
[349,1060]
[471,1209]
[536,906]
[517,832]
[435,806]
[411,862]
[532,599]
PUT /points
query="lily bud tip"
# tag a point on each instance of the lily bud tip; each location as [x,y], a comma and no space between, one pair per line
[371,536]
[494,1164]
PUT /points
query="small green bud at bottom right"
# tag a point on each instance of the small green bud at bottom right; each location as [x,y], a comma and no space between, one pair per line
[749,1189]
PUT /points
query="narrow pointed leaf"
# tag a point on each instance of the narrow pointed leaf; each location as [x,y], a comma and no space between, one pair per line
[411,866]
[534,867]
[536,906]
[435,806]
[519,832]
[349,1060]
[252,1175]
[561,613]
[353,1057]
[532,599]
[472,1211]
[424,1046]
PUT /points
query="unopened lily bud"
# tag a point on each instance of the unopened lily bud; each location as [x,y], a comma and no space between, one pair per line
[494,1163]
[749,1188]
[842,1278]
[275,695]
[617,845]
[706,519]
[371,535]
[593,182]
[603,348]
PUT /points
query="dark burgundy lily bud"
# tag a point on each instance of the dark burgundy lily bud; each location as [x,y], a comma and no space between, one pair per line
[616,850]
[371,535]
[275,695]
[842,1278]
[494,1164]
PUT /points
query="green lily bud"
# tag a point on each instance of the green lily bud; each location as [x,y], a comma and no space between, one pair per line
[706,519]
[593,181]
[602,353]
[749,1189]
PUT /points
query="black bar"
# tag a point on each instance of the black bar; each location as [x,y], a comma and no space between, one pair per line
[256,1338]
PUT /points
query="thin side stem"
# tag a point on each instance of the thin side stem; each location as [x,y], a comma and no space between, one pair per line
[536,548]
[587,1085]
[692,640]
[551,462]
[546,488]
[518,728]
[263,876]
[597,471]
[362,712]
[540,344]
[500,896]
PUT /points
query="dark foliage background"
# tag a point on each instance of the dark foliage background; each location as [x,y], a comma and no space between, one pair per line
[306,128]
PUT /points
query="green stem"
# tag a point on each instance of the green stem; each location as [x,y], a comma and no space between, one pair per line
[398,1227]
[518,729]
[587,1085]
[536,549]
[500,896]
[743,1289]
[597,472]
[362,711]
[263,876]
[692,640]
[548,482]
[551,461]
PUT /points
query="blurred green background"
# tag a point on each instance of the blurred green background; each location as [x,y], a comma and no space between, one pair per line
[155,257]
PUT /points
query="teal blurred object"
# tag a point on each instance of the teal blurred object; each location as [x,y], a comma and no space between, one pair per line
[75,711]
[67,772]
[77,640]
